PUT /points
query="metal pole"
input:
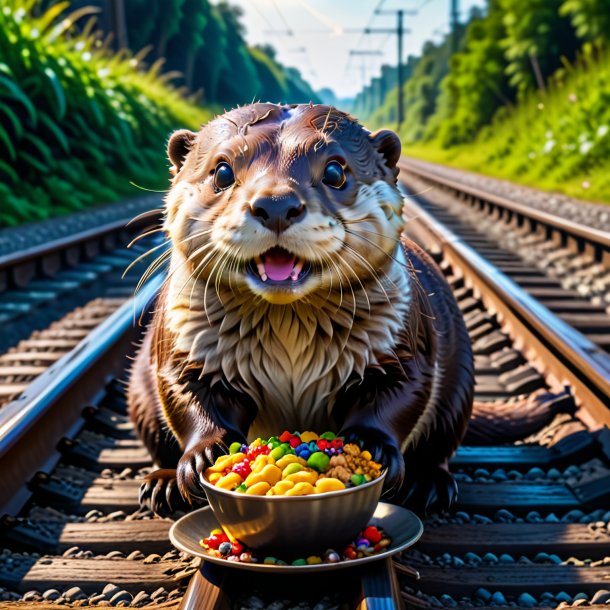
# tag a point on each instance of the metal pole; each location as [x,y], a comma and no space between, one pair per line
[399,31]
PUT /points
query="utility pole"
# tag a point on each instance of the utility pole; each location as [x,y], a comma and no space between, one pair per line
[399,32]
[454,20]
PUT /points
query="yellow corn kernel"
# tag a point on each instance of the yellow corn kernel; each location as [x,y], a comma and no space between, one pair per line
[366,455]
[261,461]
[291,469]
[307,437]
[281,487]
[256,443]
[329,484]
[229,481]
[301,489]
[258,489]
[238,457]
[222,463]
[303,477]
[290,459]
[270,473]
[214,477]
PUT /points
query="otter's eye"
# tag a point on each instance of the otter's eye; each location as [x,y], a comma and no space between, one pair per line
[223,176]
[334,176]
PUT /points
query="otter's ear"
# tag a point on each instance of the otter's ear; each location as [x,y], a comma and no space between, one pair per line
[179,145]
[388,144]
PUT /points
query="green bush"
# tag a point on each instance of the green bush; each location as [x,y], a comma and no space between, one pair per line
[558,139]
[77,123]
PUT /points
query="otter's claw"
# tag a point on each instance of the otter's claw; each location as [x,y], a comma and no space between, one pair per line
[384,450]
[432,490]
[160,494]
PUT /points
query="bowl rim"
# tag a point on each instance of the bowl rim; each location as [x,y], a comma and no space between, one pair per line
[308,497]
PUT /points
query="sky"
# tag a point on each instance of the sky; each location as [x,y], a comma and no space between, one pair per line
[320,48]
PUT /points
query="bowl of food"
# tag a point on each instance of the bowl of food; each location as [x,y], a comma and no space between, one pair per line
[294,493]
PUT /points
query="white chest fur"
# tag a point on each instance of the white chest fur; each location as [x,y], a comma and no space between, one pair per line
[292,359]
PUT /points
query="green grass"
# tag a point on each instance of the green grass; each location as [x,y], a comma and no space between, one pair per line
[77,123]
[558,140]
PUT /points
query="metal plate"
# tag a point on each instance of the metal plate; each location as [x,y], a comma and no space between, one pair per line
[403,527]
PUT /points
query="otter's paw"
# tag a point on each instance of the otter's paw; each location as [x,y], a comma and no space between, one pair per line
[159,493]
[430,490]
[384,450]
[191,468]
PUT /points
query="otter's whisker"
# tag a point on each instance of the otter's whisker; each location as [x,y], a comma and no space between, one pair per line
[378,248]
[144,255]
[196,269]
[366,296]
[374,273]
[152,268]
[157,229]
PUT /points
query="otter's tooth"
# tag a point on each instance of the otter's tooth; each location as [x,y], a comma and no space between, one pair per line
[260,268]
[296,270]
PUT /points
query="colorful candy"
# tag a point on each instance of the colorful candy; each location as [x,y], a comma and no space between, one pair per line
[293,464]
[370,541]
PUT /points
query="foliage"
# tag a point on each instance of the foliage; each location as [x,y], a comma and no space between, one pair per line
[76,122]
[206,43]
[537,37]
[476,85]
[590,18]
[558,139]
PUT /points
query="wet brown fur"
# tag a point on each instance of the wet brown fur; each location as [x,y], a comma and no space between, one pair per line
[372,346]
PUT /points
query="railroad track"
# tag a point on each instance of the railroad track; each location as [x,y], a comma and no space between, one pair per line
[53,294]
[531,527]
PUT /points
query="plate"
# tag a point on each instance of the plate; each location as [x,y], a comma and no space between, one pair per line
[403,527]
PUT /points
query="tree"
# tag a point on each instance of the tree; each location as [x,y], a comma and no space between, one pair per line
[590,18]
[182,49]
[537,37]
[476,85]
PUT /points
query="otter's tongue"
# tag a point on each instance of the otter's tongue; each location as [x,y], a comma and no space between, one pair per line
[278,263]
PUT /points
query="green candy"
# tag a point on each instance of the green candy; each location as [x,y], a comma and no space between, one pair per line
[241,488]
[287,448]
[292,469]
[318,461]
[274,439]
[270,560]
[299,562]
[328,436]
[278,452]
[235,448]
[358,479]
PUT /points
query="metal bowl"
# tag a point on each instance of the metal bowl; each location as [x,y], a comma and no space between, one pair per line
[295,525]
[403,527]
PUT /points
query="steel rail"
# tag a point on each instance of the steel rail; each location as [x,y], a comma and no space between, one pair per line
[47,254]
[585,235]
[32,424]
[559,351]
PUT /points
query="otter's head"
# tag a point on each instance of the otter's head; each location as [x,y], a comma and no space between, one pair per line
[284,201]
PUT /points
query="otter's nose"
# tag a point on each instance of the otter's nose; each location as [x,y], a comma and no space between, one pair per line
[278,212]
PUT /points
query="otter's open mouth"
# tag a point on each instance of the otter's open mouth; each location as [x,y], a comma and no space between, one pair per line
[278,267]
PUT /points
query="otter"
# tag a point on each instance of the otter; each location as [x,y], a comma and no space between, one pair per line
[294,301]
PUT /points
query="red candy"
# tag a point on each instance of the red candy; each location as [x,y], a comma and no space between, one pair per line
[215,540]
[260,450]
[243,469]
[336,443]
[350,553]
[237,548]
[295,441]
[286,436]
[323,444]
[372,534]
